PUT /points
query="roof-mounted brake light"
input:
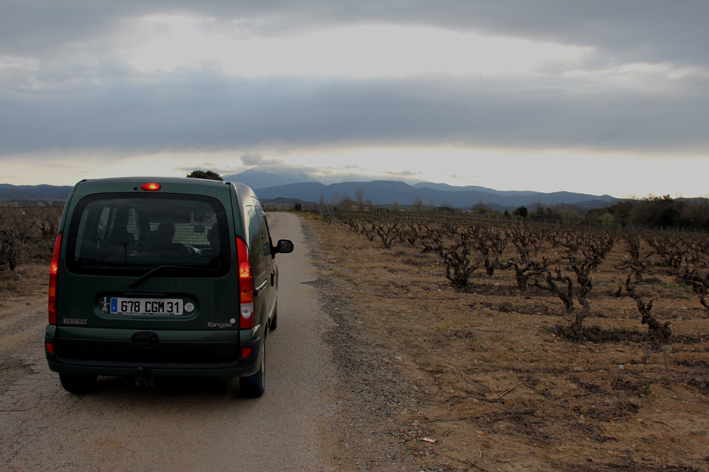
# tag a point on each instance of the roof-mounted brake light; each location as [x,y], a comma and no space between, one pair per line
[150,186]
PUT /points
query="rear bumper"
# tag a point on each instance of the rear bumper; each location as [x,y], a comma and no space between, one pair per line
[176,354]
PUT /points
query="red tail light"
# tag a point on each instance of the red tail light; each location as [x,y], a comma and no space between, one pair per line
[150,186]
[53,271]
[246,286]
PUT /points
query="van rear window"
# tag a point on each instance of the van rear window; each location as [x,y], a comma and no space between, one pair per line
[130,233]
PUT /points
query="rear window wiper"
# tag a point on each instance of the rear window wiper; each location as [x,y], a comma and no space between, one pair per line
[152,272]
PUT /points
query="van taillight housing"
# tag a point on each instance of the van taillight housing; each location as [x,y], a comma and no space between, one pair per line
[246,286]
[52,292]
[151,186]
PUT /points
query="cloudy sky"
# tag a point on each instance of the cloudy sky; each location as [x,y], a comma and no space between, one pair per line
[603,97]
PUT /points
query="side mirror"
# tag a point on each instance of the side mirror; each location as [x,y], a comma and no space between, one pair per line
[284,246]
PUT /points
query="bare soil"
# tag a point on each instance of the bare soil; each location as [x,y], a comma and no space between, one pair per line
[480,379]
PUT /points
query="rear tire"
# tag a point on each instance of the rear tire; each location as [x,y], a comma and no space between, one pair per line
[78,384]
[274,320]
[253,386]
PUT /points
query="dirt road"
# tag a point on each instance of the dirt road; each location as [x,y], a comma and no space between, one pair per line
[177,424]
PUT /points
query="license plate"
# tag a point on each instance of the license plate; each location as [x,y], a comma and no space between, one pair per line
[147,306]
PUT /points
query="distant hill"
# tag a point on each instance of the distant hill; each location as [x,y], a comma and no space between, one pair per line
[453,188]
[33,193]
[388,192]
[381,192]
[272,182]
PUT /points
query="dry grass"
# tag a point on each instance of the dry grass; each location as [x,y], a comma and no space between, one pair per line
[26,279]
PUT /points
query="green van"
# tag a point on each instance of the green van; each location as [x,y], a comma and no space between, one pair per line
[159,277]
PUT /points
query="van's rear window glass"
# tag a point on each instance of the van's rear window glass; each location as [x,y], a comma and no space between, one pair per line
[122,233]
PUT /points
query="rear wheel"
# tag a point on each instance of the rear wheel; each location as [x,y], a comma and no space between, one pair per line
[78,384]
[254,385]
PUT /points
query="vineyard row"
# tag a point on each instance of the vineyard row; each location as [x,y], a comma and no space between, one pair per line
[559,260]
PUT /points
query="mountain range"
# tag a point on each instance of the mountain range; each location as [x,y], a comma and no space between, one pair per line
[284,184]
[288,185]
[34,193]
[388,192]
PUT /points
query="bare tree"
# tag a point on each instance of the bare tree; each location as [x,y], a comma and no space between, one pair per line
[660,332]
[637,263]
[459,260]
[417,205]
[522,271]
[593,249]
[552,277]
[538,207]
[345,203]
[691,275]
[490,244]
[359,199]
[479,208]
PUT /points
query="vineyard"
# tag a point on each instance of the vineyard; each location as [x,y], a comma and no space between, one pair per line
[26,237]
[560,261]
[547,346]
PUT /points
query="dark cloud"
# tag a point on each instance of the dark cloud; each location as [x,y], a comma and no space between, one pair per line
[210,111]
[78,95]
[629,30]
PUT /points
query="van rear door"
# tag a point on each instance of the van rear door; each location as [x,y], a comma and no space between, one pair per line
[149,261]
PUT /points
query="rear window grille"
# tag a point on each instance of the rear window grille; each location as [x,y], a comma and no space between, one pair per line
[134,232]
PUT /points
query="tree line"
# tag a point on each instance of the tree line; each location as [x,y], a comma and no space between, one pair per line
[653,211]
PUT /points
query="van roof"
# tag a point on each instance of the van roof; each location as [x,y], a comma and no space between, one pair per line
[181,180]
[168,185]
